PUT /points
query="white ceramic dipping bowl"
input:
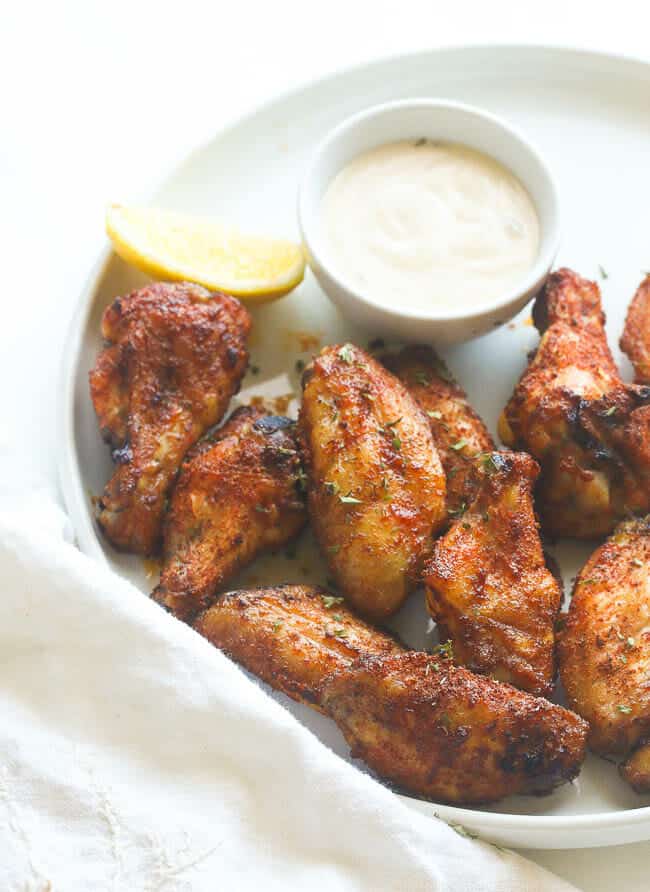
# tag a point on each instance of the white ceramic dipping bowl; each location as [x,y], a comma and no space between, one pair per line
[435,120]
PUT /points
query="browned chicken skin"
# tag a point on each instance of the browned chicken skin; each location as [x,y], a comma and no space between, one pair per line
[177,354]
[417,720]
[458,431]
[237,494]
[604,649]
[589,430]
[635,342]
[291,636]
[488,587]
[376,488]
[439,731]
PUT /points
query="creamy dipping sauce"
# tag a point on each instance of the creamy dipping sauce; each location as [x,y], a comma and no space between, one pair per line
[429,224]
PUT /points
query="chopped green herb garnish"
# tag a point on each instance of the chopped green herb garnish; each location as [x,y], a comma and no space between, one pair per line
[625,709]
[422,378]
[446,649]
[337,617]
[397,443]
[489,462]
[345,353]
[603,272]
[637,562]
[457,512]
[349,500]
[630,642]
[330,601]
[341,633]
[277,625]
[610,411]
[390,424]
[435,414]
[284,451]
[301,480]
[331,487]
[459,444]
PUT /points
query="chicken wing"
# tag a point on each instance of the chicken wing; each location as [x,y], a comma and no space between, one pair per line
[238,493]
[376,488]
[589,430]
[487,583]
[438,731]
[604,649]
[176,356]
[291,636]
[635,342]
[458,432]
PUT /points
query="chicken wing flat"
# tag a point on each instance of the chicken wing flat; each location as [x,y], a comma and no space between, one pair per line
[635,342]
[291,636]
[458,431]
[604,649]
[589,430]
[376,488]
[238,493]
[438,731]
[176,355]
[487,583]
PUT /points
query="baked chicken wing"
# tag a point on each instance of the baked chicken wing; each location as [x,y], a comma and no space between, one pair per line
[589,430]
[376,488]
[441,732]
[487,583]
[635,342]
[458,431]
[604,649]
[175,357]
[291,636]
[237,494]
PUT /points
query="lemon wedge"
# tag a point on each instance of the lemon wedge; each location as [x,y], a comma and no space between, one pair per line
[168,245]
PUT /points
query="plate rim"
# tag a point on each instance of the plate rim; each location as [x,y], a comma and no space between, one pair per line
[67,459]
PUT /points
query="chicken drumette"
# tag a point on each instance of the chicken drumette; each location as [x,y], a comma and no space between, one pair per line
[458,431]
[176,355]
[604,649]
[589,430]
[488,586]
[376,488]
[238,493]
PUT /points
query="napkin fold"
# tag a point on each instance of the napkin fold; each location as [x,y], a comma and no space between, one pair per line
[136,756]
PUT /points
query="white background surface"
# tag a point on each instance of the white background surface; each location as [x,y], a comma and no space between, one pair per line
[98,100]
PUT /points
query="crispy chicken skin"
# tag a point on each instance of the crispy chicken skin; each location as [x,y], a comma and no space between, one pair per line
[237,494]
[291,636]
[589,430]
[635,342]
[458,431]
[604,649]
[175,357]
[376,488]
[487,583]
[438,731]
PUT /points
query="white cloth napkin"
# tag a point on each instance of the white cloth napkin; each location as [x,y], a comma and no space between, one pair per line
[135,756]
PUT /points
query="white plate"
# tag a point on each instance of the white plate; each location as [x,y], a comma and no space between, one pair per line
[589,115]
